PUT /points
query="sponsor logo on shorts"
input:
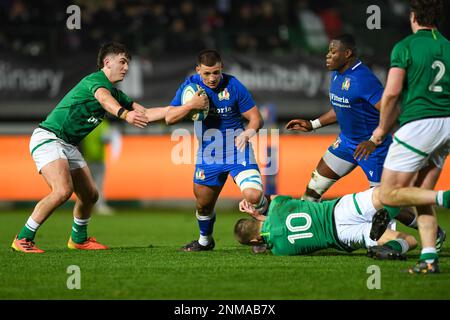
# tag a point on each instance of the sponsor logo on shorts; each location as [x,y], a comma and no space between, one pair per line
[200,174]
[336,144]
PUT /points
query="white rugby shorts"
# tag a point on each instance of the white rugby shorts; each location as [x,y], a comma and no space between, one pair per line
[353,217]
[46,147]
[418,143]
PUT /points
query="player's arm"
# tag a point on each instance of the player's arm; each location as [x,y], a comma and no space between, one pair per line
[152,114]
[309,125]
[247,207]
[176,114]
[388,111]
[110,104]
[364,149]
[255,122]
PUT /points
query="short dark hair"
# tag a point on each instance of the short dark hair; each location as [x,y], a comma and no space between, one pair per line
[348,42]
[246,230]
[428,12]
[111,48]
[208,57]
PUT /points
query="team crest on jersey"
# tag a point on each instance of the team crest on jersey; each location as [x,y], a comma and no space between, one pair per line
[93,120]
[346,84]
[336,144]
[200,174]
[224,95]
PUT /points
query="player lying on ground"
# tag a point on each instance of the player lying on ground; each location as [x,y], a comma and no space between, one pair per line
[295,227]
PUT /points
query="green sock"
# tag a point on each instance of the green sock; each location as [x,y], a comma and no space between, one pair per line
[428,256]
[394,245]
[26,233]
[446,198]
[79,230]
[29,229]
[392,211]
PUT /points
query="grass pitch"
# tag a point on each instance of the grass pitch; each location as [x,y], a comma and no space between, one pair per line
[145,263]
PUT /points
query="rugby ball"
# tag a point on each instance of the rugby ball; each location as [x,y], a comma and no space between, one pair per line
[187,94]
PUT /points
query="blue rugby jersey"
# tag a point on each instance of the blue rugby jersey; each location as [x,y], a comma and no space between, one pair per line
[226,104]
[353,95]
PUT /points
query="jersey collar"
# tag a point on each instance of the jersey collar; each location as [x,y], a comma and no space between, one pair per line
[352,68]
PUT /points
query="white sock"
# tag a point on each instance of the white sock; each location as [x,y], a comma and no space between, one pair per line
[32,225]
[440,198]
[404,244]
[429,250]
[81,222]
[204,240]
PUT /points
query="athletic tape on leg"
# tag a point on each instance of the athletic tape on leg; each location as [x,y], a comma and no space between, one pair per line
[249,179]
[319,183]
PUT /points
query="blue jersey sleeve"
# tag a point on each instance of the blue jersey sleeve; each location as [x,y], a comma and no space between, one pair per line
[176,101]
[245,100]
[370,89]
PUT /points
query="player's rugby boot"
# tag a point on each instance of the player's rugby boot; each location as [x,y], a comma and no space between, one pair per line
[423,267]
[380,221]
[25,245]
[385,253]
[90,244]
[195,246]
[441,236]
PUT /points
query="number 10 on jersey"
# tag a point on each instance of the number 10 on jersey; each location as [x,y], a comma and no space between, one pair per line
[299,230]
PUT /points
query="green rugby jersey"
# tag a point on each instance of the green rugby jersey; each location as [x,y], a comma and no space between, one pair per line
[78,113]
[425,56]
[295,226]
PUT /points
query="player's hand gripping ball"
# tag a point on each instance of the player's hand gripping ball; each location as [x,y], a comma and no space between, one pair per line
[187,94]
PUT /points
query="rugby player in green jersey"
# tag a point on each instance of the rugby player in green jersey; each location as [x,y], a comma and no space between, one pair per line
[296,227]
[420,74]
[53,145]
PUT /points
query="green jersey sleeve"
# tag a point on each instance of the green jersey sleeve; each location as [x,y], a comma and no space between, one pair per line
[95,81]
[124,100]
[400,56]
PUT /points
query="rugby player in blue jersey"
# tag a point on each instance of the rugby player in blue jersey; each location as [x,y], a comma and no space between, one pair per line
[224,146]
[355,94]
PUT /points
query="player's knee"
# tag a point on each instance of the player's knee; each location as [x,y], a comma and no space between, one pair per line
[252,195]
[94,196]
[320,184]
[62,194]
[204,210]
[249,179]
[385,195]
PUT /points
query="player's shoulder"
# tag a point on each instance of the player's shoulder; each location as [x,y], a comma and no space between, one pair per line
[231,80]
[233,83]
[278,201]
[195,78]
[363,71]
[405,42]
[97,76]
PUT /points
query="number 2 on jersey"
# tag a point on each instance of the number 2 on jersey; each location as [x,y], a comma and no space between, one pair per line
[299,229]
[433,87]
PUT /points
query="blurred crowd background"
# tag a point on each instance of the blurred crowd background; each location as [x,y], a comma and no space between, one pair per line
[156,27]
[285,40]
